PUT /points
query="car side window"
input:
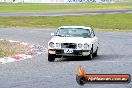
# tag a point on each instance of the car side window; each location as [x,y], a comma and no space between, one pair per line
[92,33]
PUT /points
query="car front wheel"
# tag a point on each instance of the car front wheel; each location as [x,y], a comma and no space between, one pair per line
[51,57]
[90,57]
[96,53]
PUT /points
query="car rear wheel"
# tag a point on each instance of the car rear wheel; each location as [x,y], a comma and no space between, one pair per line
[51,57]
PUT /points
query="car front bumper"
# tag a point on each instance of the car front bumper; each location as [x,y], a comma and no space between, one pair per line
[75,52]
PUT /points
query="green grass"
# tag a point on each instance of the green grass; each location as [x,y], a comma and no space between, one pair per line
[12,48]
[28,7]
[103,21]
[4,49]
[4,53]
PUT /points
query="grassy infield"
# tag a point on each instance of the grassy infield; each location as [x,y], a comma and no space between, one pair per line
[107,22]
[20,7]
[3,51]
[11,48]
[104,22]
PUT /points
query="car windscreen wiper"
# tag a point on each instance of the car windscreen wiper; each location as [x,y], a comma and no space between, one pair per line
[63,35]
[60,35]
[68,36]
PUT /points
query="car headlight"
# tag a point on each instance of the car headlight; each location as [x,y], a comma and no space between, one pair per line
[86,46]
[51,44]
[79,45]
[58,44]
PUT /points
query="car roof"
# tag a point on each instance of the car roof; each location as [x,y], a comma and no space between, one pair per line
[75,27]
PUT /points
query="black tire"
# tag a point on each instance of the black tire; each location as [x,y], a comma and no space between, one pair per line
[96,53]
[51,57]
[90,56]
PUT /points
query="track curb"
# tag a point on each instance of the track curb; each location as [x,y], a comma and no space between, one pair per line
[35,50]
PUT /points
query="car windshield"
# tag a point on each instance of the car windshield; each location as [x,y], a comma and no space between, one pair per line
[73,32]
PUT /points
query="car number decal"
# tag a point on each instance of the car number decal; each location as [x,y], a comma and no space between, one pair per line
[68,50]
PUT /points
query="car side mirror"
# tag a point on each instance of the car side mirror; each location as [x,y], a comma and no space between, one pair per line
[52,34]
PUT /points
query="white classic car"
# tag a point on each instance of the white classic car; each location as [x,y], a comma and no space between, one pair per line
[73,41]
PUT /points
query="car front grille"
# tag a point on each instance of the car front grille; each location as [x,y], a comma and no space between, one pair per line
[69,45]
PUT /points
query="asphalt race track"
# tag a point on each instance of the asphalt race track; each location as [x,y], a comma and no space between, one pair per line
[83,12]
[115,56]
